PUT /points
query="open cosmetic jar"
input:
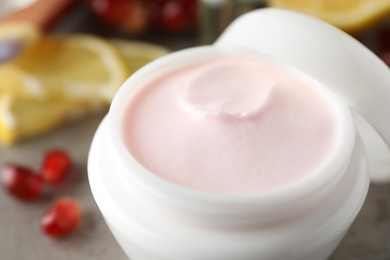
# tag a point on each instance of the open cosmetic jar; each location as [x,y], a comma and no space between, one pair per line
[156,219]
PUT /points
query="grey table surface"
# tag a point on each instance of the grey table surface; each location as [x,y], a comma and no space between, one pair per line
[21,238]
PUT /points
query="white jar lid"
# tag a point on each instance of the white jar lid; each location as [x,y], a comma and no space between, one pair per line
[335,59]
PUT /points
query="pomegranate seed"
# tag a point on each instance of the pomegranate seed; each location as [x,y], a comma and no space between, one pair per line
[21,182]
[135,20]
[56,165]
[128,15]
[171,15]
[62,218]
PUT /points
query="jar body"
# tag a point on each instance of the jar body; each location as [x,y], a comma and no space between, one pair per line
[306,220]
[149,229]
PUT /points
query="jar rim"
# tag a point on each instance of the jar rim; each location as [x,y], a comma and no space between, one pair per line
[193,200]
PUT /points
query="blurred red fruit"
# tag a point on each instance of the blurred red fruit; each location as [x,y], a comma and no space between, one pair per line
[62,218]
[21,182]
[127,15]
[56,166]
[172,15]
[139,15]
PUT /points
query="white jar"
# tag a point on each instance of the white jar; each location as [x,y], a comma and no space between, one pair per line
[154,219]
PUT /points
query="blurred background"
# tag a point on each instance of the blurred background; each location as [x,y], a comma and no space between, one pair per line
[61,62]
[35,39]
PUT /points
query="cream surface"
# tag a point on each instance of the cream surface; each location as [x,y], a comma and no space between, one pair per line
[230,126]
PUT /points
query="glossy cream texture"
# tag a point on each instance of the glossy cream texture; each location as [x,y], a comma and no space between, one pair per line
[230,126]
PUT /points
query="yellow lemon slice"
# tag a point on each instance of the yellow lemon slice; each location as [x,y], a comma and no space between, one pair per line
[15,38]
[22,116]
[26,32]
[60,79]
[352,16]
[74,67]
[53,81]
[137,54]
[10,80]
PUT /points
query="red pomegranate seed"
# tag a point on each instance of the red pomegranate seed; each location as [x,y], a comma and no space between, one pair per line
[128,15]
[169,15]
[56,165]
[62,218]
[21,182]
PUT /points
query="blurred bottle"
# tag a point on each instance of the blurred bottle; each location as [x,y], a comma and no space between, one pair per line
[216,15]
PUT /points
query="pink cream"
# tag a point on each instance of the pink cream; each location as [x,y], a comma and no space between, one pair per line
[230,126]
